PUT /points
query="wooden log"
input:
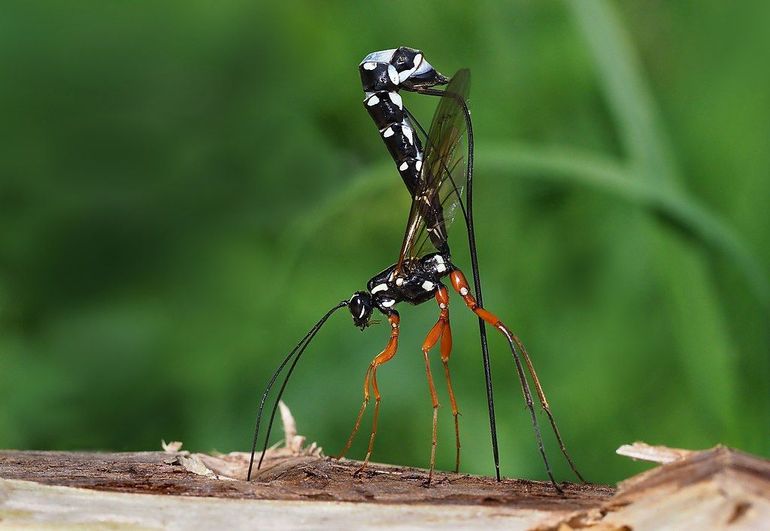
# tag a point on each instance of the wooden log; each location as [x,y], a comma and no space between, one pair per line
[116,488]
[717,488]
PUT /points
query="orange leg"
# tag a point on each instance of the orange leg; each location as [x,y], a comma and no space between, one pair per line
[446,349]
[371,379]
[441,331]
[460,284]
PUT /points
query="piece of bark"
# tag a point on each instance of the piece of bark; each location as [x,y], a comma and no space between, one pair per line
[714,489]
[289,492]
[720,488]
[285,477]
[654,454]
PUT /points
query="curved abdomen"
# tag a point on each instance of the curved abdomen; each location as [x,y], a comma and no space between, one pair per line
[397,131]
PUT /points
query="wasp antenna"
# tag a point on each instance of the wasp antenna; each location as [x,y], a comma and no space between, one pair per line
[298,349]
[313,332]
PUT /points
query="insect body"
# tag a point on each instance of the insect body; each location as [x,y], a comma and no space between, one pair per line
[386,289]
[437,176]
[383,75]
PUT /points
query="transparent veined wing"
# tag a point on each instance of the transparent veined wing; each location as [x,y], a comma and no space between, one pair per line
[442,176]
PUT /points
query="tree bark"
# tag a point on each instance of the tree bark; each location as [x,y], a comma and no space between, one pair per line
[717,488]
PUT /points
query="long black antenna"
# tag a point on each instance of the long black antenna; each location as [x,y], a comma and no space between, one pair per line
[299,349]
[468,211]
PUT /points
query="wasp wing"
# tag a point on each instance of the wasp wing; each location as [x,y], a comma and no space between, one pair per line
[442,176]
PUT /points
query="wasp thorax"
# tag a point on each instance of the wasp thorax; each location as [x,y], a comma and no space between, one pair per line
[360,306]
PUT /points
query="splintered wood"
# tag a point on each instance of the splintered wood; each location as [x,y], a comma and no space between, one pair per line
[717,488]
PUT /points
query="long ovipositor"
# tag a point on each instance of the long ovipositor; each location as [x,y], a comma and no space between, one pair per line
[383,74]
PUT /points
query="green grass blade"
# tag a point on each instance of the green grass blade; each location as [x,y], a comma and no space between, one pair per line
[579,168]
[704,346]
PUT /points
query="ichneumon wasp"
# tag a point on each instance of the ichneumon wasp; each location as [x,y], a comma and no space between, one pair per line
[437,176]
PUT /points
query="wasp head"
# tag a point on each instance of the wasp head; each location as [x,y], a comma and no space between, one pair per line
[360,306]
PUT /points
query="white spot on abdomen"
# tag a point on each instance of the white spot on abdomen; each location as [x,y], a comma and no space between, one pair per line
[370,66]
[388,303]
[404,166]
[408,134]
[374,100]
[393,75]
[428,285]
[395,97]
[387,132]
[379,287]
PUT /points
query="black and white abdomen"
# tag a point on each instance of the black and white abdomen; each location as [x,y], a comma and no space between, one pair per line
[383,74]
[398,133]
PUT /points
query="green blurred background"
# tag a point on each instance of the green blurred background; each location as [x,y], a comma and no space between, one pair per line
[185,187]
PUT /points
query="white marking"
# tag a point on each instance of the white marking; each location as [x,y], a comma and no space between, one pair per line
[388,303]
[439,260]
[395,97]
[394,325]
[379,287]
[406,74]
[423,68]
[442,306]
[408,134]
[393,74]
[403,76]
[418,165]
[370,66]
[399,281]
[374,100]
[381,56]
[387,132]
[363,311]
[463,291]
[404,166]
[427,285]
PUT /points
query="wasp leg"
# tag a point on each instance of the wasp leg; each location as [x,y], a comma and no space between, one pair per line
[430,340]
[446,350]
[460,284]
[546,407]
[371,379]
[441,331]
